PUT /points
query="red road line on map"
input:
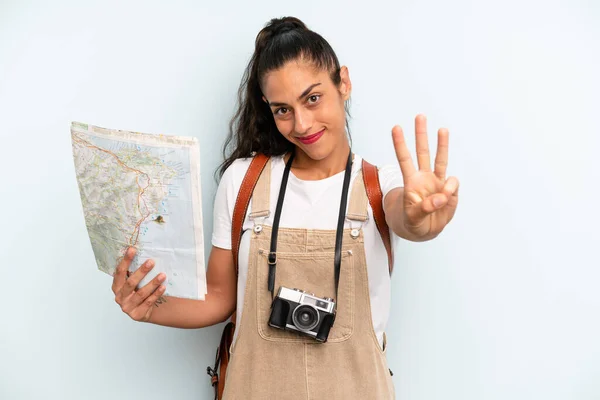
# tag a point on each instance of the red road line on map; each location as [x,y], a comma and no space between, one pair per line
[140,194]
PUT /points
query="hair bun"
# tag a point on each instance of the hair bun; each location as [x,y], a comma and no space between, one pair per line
[278,26]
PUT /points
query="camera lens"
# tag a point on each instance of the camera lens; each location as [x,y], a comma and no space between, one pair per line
[305,317]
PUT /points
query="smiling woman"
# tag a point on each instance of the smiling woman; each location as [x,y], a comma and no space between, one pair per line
[316,114]
[307,263]
[293,87]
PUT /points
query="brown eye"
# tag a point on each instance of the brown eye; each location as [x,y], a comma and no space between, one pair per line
[313,98]
[281,111]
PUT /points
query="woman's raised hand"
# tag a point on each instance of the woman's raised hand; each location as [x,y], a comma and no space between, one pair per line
[430,199]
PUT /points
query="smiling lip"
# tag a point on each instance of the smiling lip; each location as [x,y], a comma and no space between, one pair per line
[311,138]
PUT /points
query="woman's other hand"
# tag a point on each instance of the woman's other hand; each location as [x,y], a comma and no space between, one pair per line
[137,303]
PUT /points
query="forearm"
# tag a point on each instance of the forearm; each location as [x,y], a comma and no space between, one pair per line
[192,314]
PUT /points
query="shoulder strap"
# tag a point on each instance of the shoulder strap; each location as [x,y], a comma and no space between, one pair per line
[243,200]
[373,187]
[219,372]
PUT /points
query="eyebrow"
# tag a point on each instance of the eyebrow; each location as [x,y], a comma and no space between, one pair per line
[307,91]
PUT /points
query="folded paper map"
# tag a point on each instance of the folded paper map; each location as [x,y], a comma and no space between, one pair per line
[143,190]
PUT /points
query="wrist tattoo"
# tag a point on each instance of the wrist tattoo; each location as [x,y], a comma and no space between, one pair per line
[160,300]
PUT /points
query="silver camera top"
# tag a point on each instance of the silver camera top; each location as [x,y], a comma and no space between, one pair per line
[300,296]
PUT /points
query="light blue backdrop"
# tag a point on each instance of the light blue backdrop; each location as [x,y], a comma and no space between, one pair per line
[503,305]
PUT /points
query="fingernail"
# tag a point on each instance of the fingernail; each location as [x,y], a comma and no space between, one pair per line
[150,264]
[438,201]
[452,186]
[161,277]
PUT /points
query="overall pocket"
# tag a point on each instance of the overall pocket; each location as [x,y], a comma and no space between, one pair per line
[313,273]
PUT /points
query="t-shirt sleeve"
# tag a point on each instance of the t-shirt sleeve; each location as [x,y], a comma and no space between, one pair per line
[223,210]
[390,177]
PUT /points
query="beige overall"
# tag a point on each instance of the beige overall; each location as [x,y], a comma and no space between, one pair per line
[268,363]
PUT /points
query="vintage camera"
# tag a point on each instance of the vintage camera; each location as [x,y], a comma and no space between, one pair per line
[294,309]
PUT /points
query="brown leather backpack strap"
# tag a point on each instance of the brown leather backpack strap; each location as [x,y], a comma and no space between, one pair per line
[373,187]
[217,374]
[242,201]
[226,340]
[239,213]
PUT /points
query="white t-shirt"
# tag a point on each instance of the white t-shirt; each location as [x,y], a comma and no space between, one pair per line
[308,204]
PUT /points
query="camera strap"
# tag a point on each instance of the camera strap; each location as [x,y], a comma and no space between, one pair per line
[272,259]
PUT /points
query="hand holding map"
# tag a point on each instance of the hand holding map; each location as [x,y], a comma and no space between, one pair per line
[142,190]
[137,303]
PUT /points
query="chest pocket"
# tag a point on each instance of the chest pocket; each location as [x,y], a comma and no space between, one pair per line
[312,272]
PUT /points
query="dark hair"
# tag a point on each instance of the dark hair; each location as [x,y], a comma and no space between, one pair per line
[252,128]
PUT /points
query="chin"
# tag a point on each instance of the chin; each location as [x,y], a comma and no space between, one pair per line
[317,153]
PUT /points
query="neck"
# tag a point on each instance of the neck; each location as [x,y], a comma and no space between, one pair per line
[307,168]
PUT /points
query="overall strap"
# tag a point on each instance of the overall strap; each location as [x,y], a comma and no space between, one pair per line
[373,188]
[358,206]
[262,194]
[370,178]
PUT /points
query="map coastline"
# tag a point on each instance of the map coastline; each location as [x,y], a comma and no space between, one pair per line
[143,190]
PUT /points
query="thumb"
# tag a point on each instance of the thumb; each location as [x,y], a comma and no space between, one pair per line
[426,207]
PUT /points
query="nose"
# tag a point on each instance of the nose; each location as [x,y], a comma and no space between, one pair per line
[303,121]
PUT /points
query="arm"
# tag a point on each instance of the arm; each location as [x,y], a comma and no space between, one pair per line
[146,305]
[219,303]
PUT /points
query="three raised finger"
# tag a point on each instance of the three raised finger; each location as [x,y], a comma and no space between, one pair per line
[402,154]
[441,157]
[423,159]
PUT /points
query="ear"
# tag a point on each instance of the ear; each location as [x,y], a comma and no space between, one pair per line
[265,100]
[345,83]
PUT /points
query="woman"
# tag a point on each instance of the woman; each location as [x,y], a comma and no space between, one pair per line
[293,108]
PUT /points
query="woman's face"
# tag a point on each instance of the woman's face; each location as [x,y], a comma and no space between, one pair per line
[308,107]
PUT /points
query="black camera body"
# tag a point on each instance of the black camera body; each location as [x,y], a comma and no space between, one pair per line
[296,310]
